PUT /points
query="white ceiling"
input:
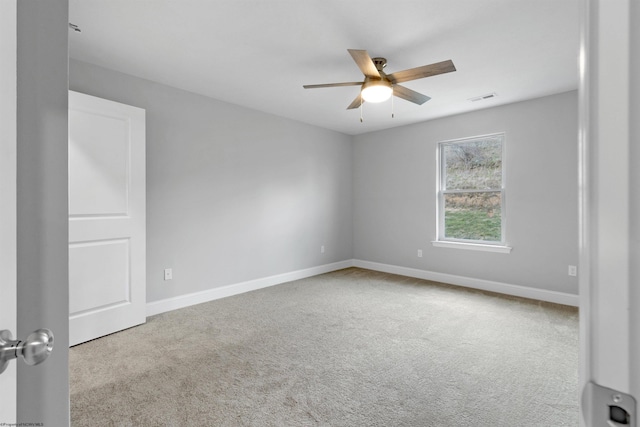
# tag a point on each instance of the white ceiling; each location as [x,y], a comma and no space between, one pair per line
[259,53]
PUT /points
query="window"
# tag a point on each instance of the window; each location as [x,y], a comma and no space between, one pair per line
[471,191]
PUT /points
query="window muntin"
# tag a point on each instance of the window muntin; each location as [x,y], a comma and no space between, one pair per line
[471,193]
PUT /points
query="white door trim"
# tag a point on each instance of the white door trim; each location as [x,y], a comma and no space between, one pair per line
[8,120]
[609,335]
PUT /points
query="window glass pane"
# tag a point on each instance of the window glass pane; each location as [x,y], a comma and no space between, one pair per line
[473,216]
[474,165]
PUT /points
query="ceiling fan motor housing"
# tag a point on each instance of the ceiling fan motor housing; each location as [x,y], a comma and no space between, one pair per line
[380,63]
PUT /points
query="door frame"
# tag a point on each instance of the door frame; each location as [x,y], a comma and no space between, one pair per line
[8,116]
[609,217]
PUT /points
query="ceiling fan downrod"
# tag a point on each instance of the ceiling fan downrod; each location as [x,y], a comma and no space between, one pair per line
[379,62]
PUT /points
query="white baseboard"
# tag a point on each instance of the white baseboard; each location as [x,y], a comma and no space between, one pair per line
[181,301]
[485,285]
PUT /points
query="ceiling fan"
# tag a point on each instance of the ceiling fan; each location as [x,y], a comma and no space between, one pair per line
[378,86]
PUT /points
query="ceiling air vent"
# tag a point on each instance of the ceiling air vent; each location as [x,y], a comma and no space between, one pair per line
[483,97]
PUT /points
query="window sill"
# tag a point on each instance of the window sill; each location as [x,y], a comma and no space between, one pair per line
[472,246]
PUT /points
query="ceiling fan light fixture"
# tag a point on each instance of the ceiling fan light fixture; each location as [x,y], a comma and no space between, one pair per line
[376,90]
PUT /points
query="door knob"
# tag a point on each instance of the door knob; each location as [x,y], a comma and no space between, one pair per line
[34,350]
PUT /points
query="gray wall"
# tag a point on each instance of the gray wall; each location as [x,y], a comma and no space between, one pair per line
[394,175]
[42,219]
[232,194]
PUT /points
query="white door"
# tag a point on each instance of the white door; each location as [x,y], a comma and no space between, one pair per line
[8,198]
[107,271]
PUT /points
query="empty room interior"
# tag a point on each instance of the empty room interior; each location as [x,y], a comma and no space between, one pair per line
[307,256]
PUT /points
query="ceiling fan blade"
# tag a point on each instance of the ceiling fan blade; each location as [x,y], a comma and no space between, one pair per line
[356,103]
[421,72]
[332,85]
[364,62]
[410,95]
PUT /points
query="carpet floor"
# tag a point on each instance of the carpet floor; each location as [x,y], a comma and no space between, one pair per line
[348,348]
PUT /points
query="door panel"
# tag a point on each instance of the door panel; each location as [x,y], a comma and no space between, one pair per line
[98,164]
[107,278]
[99,276]
[42,205]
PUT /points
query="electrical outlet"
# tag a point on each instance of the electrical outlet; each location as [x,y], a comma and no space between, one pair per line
[419,253]
[322,249]
[168,274]
[573,270]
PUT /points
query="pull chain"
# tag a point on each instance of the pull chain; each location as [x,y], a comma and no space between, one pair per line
[392,115]
[361,108]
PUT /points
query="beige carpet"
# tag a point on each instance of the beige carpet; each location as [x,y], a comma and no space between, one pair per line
[349,348]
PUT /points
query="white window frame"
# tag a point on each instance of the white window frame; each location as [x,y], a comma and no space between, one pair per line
[482,245]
